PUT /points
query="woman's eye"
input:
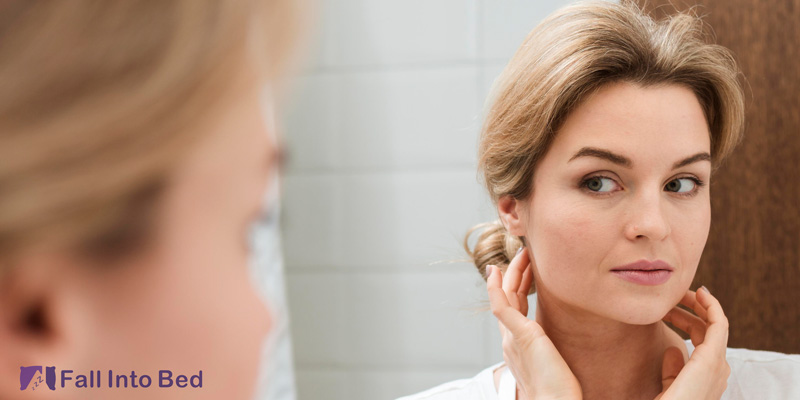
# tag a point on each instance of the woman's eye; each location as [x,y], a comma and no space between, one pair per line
[599,184]
[681,185]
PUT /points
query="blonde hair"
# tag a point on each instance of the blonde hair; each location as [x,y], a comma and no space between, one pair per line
[99,100]
[568,56]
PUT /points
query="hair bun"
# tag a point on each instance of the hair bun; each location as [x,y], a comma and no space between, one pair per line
[495,246]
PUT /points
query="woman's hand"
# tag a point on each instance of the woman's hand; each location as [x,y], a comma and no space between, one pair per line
[540,371]
[705,376]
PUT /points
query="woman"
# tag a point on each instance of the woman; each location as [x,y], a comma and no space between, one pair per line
[598,150]
[134,159]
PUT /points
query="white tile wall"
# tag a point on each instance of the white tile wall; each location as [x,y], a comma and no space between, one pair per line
[391,33]
[389,326]
[409,319]
[313,123]
[318,312]
[382,186]
[506,23]
[397,220]
[329,383]
[410,118]
[414,118]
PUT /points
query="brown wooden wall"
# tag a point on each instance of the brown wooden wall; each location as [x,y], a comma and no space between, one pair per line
[752,259]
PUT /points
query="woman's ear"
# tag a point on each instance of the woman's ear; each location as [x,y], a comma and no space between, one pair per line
[511,214]
[30,334]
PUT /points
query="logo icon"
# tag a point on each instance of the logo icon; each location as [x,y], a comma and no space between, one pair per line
[31,377]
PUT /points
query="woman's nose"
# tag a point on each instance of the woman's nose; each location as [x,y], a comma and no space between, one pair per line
[646,218]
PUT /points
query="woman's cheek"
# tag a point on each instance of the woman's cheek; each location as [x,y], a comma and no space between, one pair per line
[690,236]
[565,243]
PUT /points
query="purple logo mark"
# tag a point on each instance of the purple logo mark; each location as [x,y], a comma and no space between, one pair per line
[32,377]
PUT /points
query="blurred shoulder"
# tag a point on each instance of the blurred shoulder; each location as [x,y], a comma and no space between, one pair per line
[479,387]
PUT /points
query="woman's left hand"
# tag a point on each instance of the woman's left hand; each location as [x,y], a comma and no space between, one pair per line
[705,376]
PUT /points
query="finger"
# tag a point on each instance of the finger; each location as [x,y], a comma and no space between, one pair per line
[712,306]
[524,289]
[690,300]
[513,277]
[489,271]
[717,330]
[510,318]
[689,323]
[671,365]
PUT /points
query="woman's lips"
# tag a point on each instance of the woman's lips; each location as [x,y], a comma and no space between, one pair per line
[642,277]
[645,272]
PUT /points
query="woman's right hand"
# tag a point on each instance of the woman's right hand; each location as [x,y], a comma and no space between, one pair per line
[538,368]
[706,374]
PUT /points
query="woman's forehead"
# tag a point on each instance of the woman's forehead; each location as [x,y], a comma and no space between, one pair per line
[637,122]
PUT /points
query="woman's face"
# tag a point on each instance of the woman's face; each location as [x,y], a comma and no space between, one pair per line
[191,304]
[186,304]
[626,179]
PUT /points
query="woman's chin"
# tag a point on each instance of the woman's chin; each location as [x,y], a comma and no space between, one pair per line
[642,314]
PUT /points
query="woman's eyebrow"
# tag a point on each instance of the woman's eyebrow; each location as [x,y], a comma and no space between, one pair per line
[626,162]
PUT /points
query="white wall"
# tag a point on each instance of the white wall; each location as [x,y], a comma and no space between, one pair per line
[382,185]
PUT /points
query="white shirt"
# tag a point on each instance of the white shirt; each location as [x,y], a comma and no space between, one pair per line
[755,375]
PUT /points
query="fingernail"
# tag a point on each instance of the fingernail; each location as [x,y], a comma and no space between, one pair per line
[489,269]
[705,289]
[519,250]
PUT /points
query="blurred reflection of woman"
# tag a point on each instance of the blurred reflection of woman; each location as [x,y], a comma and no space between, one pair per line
[598,150]
[133,160]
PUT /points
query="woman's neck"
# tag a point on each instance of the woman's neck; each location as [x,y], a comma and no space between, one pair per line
[610,359]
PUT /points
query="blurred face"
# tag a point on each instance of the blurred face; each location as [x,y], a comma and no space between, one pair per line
[620,208]
[186,304]
[190,304]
